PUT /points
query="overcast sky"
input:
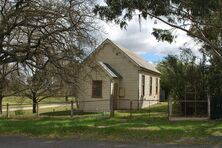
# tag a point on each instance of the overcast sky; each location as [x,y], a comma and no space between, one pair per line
[143,43]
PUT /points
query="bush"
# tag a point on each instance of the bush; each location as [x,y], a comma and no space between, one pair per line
[19,112]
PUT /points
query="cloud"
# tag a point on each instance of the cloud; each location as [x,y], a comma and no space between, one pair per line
[146,45]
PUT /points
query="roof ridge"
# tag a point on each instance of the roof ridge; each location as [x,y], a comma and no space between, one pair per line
[136,58]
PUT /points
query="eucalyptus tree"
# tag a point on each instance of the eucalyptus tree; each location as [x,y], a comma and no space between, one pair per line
[200,19]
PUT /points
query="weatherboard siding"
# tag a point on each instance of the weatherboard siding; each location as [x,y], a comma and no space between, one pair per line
[87,102]
[130,83]
[128,70]
[147,96]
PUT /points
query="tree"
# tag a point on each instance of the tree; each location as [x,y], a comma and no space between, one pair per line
[35,33]
[200,19]
[5,71]
[180,72]
[36,85]
[50,29]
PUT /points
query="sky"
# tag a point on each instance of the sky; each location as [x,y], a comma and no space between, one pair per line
[143,43]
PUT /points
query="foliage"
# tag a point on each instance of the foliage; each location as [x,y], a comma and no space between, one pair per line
[201,19]
[19,112]
[43,41]
[181,73]
[49,30]
[214,77]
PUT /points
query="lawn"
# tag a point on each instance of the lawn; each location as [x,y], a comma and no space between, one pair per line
[145,125]
[25,100]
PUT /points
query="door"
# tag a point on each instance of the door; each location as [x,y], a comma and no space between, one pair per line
[216,107]
[115,95]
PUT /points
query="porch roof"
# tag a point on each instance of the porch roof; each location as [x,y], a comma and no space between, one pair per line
[109,70]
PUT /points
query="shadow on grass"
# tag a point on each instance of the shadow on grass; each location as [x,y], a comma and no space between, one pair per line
[140,126]
[65,113]
[158,108]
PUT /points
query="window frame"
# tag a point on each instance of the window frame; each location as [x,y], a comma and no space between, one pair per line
[143,81]
[93,88]
[157,85]
[151,86]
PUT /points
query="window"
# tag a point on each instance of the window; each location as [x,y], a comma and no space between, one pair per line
[143,86]
[97,89]
[157,85]
[151,81]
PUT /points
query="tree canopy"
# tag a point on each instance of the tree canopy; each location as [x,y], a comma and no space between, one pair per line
[43,39]
[200,19]
[44,30]
[179,73]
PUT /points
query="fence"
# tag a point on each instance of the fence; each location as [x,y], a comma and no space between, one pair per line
[189,109]
[65,109]
[42,109]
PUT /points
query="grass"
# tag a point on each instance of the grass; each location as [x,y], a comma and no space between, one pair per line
[62,111]
[152,126]
[24,100]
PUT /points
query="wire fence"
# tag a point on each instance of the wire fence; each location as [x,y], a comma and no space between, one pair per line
[71,108]
[189,108]
[12,110]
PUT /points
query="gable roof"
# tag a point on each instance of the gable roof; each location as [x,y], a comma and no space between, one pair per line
[109,70]
[133,57]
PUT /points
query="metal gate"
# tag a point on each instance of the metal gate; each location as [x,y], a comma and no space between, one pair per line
[216,107]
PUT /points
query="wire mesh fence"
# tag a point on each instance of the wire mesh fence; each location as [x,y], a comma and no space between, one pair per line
[41,109]
[70,108]
[189,109]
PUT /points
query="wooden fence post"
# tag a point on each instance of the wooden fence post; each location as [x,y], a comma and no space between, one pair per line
[169,107]
[131,108]
[37,109]
[77,103]
[7,110]
[111,107]
[138,104]
[209,112]
[149,107]
[72,109]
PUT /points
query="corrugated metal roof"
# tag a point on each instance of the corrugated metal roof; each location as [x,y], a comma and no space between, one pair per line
[138,60]
[112,72]
[132,56]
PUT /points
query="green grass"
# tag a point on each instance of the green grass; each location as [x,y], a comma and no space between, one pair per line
[152,126]
[61,111]
[25,100]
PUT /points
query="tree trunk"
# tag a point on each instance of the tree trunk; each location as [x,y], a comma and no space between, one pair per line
[1,98]
[34,105]
[66,98]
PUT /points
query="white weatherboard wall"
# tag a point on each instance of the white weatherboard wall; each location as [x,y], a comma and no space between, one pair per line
[85,90]
[124,66]
[129,84]
[147,96]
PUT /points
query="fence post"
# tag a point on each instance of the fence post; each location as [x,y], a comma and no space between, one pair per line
[138,104]
[131,108]
[149,108]
[72,109]
[208,100]
[37,109]
[77,103]
[7,110]
[169,107]
[111,106]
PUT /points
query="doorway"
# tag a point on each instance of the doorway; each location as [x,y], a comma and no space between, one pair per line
[115,95]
